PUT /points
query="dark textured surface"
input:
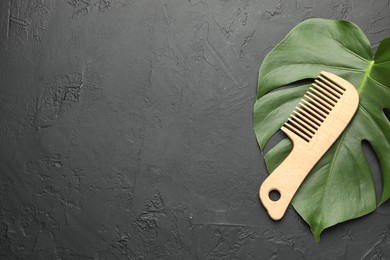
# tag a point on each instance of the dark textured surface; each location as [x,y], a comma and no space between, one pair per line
[126,131]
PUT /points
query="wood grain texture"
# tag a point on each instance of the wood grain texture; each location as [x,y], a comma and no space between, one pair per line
[324,112]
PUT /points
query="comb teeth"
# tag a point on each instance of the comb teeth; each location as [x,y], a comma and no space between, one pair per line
[314,108]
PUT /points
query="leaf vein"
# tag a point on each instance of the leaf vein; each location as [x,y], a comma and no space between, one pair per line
[330,174]
[378,83]
[353,53]
[383,62]
[374,123]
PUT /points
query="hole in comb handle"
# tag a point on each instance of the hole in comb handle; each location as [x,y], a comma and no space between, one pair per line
[274,195]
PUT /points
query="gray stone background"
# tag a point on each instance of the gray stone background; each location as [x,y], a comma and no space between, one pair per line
[126,131]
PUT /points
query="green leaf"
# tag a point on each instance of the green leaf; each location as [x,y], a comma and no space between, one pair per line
[340,187]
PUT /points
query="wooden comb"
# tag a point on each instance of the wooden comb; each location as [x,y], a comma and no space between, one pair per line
[322,115]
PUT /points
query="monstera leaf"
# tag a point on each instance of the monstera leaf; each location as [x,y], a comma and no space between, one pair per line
[340,187]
